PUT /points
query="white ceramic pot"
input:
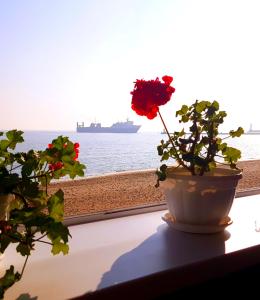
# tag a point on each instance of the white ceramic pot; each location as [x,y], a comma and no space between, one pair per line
[200,200]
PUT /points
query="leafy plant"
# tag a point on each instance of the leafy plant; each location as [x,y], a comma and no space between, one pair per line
[196,150]
[31,214]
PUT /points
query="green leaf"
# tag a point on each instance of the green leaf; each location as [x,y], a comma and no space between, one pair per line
[236,133]
[74,170]
[66,158]
[184,119]
[59,247]
[215,104]
[59,142]
[27,169]
[231,154]
[163,168]
[160,150]
[184,109]
[58,231]
[56,206]
[14,137]
[8,280]
[24,249]
[222,147]
[4,144]
[222,114]
[200,106]
[161,174]
[165,156]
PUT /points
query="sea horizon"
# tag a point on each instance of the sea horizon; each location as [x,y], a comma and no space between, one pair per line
[108,153]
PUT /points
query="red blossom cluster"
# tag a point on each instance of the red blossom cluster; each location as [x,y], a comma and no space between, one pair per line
[58,165]
[76,149]
[149,95]
[55,166]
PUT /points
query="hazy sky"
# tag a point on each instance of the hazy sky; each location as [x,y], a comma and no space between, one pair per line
[63,61]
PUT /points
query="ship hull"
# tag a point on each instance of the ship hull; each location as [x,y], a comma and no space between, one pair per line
[132,129]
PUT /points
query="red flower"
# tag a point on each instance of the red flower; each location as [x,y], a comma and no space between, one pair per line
[50,146]
[56,166]
[149,95]
[167,79]
[76,149]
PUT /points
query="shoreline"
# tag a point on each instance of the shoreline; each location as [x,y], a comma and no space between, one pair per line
[128,172]
[127,189]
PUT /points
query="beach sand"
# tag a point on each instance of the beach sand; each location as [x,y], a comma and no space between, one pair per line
[129,189]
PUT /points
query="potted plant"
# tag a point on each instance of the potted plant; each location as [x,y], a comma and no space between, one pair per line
[199,190]
[28,213]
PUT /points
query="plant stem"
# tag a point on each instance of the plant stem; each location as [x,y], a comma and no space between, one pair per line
[211,151]
[11,169]
[37,240]
[24,265]
[37,176]
[170,139]
[48,243]
[196,138]
[227,137]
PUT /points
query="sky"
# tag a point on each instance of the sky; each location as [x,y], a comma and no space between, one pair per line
[63,61]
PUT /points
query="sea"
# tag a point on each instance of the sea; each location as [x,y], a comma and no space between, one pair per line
[105,153]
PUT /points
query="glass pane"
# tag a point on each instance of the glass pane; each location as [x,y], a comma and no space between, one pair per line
[63,63]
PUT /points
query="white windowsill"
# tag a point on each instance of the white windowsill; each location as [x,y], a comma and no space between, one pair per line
[107,252]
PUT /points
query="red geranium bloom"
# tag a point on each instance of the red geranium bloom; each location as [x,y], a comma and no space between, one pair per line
[76,149]
[149,95]
[56,166]
[167,79]
[50,146]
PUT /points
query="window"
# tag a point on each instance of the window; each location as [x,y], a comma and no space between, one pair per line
[63,63]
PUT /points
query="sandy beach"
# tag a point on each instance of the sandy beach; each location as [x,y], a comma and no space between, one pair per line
[128,189]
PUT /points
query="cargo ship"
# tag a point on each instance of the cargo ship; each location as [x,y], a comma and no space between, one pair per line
[118,127]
